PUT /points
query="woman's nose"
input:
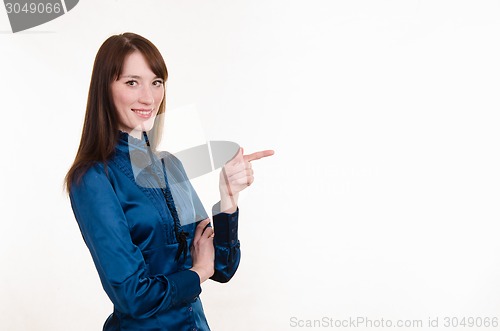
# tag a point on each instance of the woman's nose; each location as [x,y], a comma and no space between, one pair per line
[146,96]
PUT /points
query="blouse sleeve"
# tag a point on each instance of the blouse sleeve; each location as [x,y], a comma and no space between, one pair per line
[227,245]
[118,260]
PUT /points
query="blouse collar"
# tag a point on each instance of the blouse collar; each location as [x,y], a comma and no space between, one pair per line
[127,142]
[137,150]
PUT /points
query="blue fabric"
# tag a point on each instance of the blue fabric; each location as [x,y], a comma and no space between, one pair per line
[129,231]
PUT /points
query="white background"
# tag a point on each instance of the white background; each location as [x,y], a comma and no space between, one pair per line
[381,200]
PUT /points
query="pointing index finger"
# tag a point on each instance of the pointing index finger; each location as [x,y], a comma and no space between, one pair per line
[258,155]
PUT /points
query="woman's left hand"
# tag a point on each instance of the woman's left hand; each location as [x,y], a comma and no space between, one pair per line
[236,175]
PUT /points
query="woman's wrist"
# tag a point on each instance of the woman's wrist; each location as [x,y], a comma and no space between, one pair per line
[228,203]
[202,273]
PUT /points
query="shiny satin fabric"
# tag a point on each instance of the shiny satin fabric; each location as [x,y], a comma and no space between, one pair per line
[130,234]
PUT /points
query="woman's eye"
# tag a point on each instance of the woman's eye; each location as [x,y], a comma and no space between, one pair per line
[131,83]
[158,83]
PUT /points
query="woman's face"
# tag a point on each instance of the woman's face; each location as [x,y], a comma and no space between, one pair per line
[137,94]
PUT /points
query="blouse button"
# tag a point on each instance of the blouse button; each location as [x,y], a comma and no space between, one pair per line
[190,309]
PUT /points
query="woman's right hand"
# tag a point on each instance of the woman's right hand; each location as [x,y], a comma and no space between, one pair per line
[202,250]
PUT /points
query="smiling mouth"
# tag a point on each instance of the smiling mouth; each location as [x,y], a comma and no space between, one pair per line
[145,113]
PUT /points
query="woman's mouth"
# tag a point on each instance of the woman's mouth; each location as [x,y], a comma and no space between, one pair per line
[144,113]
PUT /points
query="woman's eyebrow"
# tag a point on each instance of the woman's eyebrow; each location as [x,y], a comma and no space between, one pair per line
[137,77]
[130,76]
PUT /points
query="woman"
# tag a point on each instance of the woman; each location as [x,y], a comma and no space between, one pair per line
[150,239]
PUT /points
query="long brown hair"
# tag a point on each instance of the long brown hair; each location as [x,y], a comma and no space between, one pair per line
[100,128]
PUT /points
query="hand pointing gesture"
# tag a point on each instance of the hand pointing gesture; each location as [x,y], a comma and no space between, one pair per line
[236,175]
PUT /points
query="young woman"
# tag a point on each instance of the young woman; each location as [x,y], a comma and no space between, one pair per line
[146,229]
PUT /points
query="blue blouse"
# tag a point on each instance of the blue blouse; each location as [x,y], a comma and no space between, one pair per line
[129,230]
